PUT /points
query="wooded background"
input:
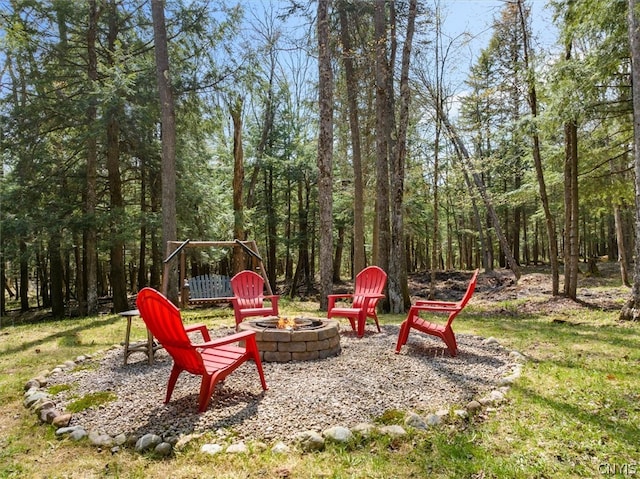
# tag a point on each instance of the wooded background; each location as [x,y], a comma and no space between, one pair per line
[335,134]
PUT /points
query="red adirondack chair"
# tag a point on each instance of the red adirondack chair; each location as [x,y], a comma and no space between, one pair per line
[214,359]
[442,331]
[248,297]
[367,292]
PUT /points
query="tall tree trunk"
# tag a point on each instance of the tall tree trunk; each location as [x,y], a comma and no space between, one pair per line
[24,276]
[117,276]
[631,310]
[623,257]
[619,247]
[169,221]
[516,225]
[571,220]
[141,280]
[43,274]
[571,210]
[238,181]
[552,237]
[56,279]
[436,245]
[303,267]
[5,285]
[383,226]
[525,237]
[155,191]
[325,153]
[337,257]
[477,219]
[19,97]
[399,300]
[435,227]
[271,220]
[288,262]
[88,297]
[359,256]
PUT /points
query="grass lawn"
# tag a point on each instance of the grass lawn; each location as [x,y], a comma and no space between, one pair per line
[574,412]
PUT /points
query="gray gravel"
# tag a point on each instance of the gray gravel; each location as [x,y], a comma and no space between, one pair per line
[366,380]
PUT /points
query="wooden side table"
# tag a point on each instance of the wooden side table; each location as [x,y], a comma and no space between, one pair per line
[147,347]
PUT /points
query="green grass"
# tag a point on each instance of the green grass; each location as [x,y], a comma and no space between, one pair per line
[91,400]
[53,390]
[573,413]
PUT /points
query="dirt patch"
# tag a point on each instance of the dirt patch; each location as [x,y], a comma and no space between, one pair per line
[601,291]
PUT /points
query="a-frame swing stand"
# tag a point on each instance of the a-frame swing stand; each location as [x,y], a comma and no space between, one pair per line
[218,289]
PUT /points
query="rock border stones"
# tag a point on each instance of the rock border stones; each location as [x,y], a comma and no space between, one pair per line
[40,402]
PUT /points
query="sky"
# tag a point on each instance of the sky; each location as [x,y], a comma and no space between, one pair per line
[476,16]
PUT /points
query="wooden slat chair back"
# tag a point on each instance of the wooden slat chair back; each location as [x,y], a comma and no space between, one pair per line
[442,331]
[368,290]
[209,288]
[214,359]
[249,299]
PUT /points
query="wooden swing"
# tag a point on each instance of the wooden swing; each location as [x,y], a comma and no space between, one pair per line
[210,288]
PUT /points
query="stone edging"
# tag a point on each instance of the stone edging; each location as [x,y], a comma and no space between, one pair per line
[39,401]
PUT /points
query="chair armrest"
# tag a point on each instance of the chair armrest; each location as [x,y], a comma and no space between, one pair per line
[190,328]
[232,338]
[442,306]
[333,297]
[434,307]
[370,298]
[336,296]
[273,298]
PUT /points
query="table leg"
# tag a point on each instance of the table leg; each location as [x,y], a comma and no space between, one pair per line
[150,346]
[126,340]
[146,347]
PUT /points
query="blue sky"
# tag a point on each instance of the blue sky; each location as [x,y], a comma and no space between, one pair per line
[476,16]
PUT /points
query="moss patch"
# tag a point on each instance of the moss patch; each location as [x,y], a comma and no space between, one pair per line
[91,400]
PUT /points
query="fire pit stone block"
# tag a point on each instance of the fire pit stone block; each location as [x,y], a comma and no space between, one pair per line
[284,345]
[306,356]
[274,335]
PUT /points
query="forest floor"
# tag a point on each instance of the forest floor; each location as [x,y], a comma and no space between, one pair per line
[595,291]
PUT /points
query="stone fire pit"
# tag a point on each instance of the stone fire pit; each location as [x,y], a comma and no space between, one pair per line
[307,339]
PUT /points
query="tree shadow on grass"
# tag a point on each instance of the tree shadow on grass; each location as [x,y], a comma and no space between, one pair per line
[619,430]
[63,334]
[617,336]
